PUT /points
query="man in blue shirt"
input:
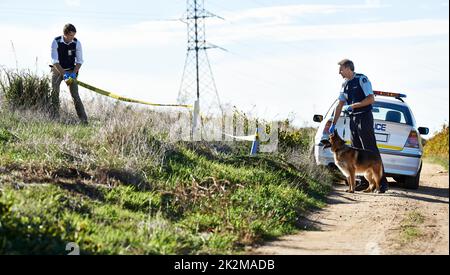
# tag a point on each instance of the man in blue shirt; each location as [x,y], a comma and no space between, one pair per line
[67,58]
[356,98]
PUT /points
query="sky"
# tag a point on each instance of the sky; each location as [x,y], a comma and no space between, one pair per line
[279,59]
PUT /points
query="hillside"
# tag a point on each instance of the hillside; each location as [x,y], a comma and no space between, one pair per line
[119,186]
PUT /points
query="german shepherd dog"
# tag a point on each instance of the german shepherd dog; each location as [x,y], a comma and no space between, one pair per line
[352,161]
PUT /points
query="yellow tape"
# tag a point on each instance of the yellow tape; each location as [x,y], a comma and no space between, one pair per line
[121,98]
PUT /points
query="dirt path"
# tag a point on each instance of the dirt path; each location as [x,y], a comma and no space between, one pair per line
[398,222]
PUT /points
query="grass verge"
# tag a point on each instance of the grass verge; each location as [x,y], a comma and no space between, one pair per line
[118,186]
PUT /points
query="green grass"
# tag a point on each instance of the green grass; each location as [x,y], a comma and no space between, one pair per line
[410,230]
[43,219]
[190,203]
[118,186]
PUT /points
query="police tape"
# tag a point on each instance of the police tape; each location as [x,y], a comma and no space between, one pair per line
[121,98]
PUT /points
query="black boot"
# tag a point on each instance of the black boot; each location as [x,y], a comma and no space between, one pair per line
[384,187]
[361,183]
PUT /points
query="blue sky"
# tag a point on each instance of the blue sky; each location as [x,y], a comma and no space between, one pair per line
[281,55]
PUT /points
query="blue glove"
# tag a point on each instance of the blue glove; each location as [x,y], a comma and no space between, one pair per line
[70,75]
[332,128]
[347,108]
[66,76]
[69,78]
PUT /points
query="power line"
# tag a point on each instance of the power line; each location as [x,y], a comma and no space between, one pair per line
[92,15]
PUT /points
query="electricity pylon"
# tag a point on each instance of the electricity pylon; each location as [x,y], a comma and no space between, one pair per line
[198,80]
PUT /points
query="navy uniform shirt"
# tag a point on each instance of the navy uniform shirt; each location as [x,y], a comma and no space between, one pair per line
[356,90]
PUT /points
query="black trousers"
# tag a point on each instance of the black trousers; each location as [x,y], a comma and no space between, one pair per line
[363,134]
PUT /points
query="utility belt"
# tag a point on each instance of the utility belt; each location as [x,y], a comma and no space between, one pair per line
[352,114]
[360,111]
[67,70]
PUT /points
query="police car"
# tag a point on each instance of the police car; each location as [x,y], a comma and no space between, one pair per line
[398,137]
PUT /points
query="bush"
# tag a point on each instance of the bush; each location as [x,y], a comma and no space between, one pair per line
[23,90]
[437,146]
[299,139]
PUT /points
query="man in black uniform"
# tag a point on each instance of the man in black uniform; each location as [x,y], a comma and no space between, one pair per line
[356,98]
[67,58]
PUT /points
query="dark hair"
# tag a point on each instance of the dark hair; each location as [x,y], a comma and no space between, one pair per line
[68,28]
[347,63]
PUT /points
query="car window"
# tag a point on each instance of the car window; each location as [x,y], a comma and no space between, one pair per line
[392,113]
[385,111]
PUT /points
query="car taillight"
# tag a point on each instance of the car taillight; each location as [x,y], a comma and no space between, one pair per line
[413,140]
[326,130]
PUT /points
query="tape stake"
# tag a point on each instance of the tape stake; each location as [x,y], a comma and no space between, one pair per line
[255,144]
[196,115]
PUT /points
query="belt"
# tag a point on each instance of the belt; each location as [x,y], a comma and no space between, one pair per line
[69,69]
[358,113]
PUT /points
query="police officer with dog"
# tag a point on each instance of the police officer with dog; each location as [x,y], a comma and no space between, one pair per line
[356,99]
[67,58]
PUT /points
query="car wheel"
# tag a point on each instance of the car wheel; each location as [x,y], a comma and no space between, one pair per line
[399,179]
[413,182]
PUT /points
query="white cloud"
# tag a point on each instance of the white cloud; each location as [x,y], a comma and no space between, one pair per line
[143,35]
[286,12]
[287,33]
[374,3]
[286,24]
[73,3]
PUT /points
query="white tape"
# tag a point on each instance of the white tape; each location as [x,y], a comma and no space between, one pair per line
[246,138]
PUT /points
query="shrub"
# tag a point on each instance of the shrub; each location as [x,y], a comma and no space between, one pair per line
[300,139]
[437,146]
[24,90]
